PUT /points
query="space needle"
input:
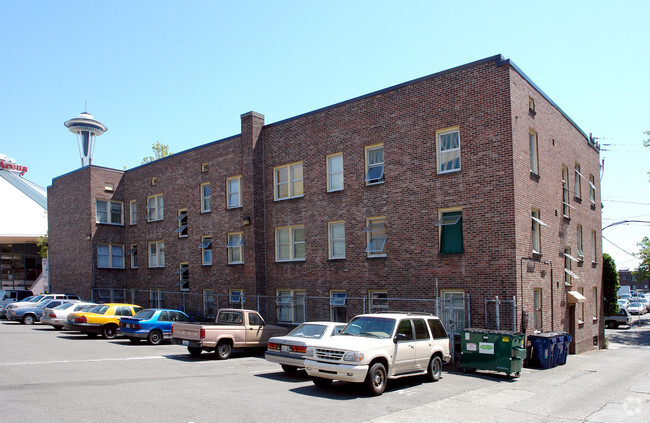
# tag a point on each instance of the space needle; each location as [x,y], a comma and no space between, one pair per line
[87,129]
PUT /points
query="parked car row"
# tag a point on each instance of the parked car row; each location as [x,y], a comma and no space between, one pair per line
[370,349]
[635,303]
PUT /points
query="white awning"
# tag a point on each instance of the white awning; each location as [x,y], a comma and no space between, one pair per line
[575,297]
[570,273]
[539,221]
[570,257]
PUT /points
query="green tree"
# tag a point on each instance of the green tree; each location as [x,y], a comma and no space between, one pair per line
[41,243]
[610,285]
[643,271]
[160,150]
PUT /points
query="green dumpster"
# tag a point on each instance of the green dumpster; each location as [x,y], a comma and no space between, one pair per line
[496,350]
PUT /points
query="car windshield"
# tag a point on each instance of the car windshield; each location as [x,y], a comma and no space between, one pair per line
[99,309]
[34,299]
[144,314]
[374,327]
[307,330]
[635,303]
[43,304]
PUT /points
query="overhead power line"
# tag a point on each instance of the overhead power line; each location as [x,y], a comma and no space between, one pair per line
[626,252]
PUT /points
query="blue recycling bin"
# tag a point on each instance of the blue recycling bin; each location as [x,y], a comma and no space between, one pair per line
[566,340]
[543,350]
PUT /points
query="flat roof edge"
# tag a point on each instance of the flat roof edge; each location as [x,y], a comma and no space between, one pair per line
[497,58]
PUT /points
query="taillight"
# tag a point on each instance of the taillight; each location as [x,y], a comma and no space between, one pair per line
[81,319]
[52,314]
[299,349]
[172,330]
[137,327]
[202,333]
[272,346]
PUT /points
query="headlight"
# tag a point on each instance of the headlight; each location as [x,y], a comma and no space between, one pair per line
[309,352]
[353,356]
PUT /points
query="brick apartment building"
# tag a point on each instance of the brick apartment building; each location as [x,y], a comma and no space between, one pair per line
[457,188]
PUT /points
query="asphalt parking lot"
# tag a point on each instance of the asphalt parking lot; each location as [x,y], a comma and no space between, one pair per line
[52,376]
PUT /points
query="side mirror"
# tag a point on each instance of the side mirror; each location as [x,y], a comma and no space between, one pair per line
[399,337]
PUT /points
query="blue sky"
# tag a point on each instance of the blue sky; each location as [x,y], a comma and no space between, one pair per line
[183,72]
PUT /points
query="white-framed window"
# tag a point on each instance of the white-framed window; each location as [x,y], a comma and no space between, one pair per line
[183,276]
[569,276]
[290,305]
[592,190]
[288,181]
[206,205]
[376,236]
[338,306]
[208,303]
[578,182]
[154,181]
[335,172]
[155,210]
[448,150]
[537,309]
[156,298]
[108,186]
[536,233]
[374,164]
[450,224]
[593,247]
[235,248]
[157,254]
[532,144]
[109,212]
[581,306]
[378,300]
[596,301]
[236,298]
[233,189]
[290,243]
[565,192]
[133,212]
[205,167]
[110,256]
[182,223]
[336,234]
[206,250]
[134,256]
[579,241]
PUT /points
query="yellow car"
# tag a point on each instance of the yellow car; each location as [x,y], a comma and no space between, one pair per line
[103,318]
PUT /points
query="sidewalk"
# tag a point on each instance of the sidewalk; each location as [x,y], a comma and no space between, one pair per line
[611,385]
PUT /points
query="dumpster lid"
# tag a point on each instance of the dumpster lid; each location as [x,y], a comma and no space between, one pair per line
[576,297]
[493,331]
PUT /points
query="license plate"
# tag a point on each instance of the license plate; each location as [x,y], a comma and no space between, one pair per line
[285,348]
[186,343]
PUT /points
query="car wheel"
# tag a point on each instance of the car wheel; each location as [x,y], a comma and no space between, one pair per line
[28,319]
[376,379]
[434,371]
[612,324]
[223,350]
[134,340]
[154,337]
[322,382]
[109,332]
[194,351]
[289,369]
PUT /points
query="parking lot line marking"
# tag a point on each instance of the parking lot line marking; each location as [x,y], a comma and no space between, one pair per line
[27,363]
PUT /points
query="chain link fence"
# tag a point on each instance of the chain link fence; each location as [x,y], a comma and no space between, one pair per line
[454,313]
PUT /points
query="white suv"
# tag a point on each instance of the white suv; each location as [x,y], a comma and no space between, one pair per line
[375,347]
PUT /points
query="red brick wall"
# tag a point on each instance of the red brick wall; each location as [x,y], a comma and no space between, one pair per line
[559,143]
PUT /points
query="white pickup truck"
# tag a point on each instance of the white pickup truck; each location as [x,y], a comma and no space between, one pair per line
[233,328]
[375,347]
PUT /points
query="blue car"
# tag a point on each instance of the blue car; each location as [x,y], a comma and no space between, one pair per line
[152,324]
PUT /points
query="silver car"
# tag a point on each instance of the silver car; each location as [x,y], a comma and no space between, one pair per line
[32,314]
[56,317]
